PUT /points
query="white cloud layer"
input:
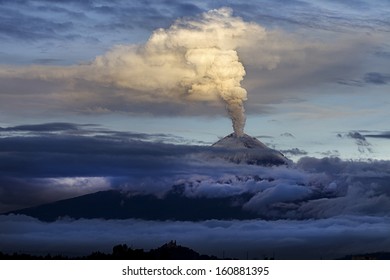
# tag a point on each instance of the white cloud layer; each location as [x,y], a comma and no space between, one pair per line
[315,208]
[283,239]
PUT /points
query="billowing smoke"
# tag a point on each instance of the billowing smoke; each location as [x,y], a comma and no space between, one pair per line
[195,59]
[221,73]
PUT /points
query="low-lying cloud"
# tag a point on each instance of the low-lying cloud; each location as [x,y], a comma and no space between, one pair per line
[313,208]
[71,160]
[283,239]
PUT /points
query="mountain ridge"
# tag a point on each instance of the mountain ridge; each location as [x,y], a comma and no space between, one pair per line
[117,204]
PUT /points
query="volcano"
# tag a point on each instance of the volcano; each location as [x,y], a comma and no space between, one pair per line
[248,150]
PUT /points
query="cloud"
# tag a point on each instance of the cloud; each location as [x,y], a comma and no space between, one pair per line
[370,78]
[321,15]
[360,140]
[280,193]
[51,158]
[178,81]
[333,153]
[65,20]
[294,152]
[69,32]
[96,16]
[33,156]
[24,26]
[384,135]
[42,127]
[19,192]
[287,134]
[72,129]
[356,135]
[313,206]
[282,239]
[382,52]
[192,60]
[377,78]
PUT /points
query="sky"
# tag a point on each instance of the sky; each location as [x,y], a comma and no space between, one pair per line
[101,95]
[316,72]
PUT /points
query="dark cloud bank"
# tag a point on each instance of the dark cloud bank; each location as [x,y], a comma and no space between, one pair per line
[314,208]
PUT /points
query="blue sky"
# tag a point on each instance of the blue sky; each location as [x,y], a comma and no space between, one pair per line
[331,77]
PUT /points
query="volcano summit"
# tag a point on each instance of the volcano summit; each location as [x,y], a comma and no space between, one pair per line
[249,150]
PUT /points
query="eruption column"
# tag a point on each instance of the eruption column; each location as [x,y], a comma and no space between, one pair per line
[220,74]
[195,59]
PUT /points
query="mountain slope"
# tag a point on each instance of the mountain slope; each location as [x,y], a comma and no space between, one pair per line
[248,150]
[115,204]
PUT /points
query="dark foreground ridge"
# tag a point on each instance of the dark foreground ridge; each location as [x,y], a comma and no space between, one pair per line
[168,251]
[370,256]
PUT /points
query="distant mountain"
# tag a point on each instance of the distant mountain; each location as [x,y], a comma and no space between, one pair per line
[116,204]
[249,150]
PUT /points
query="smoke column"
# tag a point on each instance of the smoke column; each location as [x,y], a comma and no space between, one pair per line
[221,72]
[195,59]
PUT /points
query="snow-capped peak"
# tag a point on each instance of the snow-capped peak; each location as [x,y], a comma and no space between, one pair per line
[248,150]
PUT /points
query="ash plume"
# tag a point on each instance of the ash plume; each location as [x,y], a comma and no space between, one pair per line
[194,60]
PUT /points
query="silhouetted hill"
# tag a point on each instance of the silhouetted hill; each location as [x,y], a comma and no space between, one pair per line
[114,204]
[369,256]
[168,251]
